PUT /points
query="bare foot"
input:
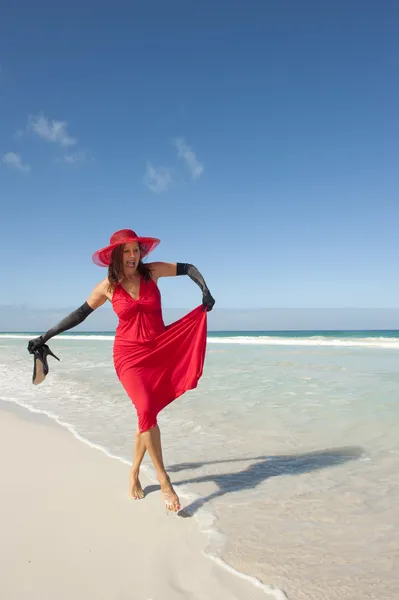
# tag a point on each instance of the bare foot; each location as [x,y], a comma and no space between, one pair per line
[135,491]
[170,497]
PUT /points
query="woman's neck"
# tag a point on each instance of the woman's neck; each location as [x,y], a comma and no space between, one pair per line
[131,276]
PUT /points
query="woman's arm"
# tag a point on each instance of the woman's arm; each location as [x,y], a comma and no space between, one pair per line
[162,269]
[96,299]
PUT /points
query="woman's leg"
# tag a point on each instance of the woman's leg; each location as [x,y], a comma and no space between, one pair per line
[136,388]
[136,491]
[152,441]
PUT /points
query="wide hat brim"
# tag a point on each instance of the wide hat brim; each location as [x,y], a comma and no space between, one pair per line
[102,258]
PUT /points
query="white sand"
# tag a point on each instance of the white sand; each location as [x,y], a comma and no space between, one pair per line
[69,530]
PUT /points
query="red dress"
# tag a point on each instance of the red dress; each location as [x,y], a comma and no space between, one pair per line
[156,363]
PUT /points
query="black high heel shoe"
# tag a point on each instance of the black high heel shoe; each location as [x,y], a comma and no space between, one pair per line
[40,364]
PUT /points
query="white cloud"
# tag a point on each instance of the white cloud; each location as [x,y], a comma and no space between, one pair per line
[157,179]
[51,130]
[188,155]
[74,159]
[14,161]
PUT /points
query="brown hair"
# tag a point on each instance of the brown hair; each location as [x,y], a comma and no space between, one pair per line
[115,269]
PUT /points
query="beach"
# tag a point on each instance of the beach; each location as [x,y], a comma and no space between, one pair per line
[285,459]
[69,529]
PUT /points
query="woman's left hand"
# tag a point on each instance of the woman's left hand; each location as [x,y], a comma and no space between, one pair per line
[208,301]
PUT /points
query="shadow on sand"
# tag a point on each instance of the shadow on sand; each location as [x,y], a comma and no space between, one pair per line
[263,469]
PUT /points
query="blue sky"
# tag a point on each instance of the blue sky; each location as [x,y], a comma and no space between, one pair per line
[258,140]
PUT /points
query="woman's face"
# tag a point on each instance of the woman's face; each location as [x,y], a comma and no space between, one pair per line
[131,257]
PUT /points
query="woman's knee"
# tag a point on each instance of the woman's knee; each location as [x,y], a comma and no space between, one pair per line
[147,419]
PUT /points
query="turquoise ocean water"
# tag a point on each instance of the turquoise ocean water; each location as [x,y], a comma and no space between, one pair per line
[287,453]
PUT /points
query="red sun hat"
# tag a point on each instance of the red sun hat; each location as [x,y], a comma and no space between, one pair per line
[102,257]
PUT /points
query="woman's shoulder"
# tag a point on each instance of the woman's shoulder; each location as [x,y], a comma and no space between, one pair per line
[107,287]
[100,294]
[104,284]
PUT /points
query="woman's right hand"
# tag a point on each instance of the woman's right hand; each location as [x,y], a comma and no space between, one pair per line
[35,344]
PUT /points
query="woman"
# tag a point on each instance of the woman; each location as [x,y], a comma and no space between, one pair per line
[155,363]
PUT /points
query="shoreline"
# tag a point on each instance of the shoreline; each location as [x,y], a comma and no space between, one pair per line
[74,490]
[266,339]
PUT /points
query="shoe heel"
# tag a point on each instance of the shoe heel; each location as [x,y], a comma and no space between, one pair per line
[49,352]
